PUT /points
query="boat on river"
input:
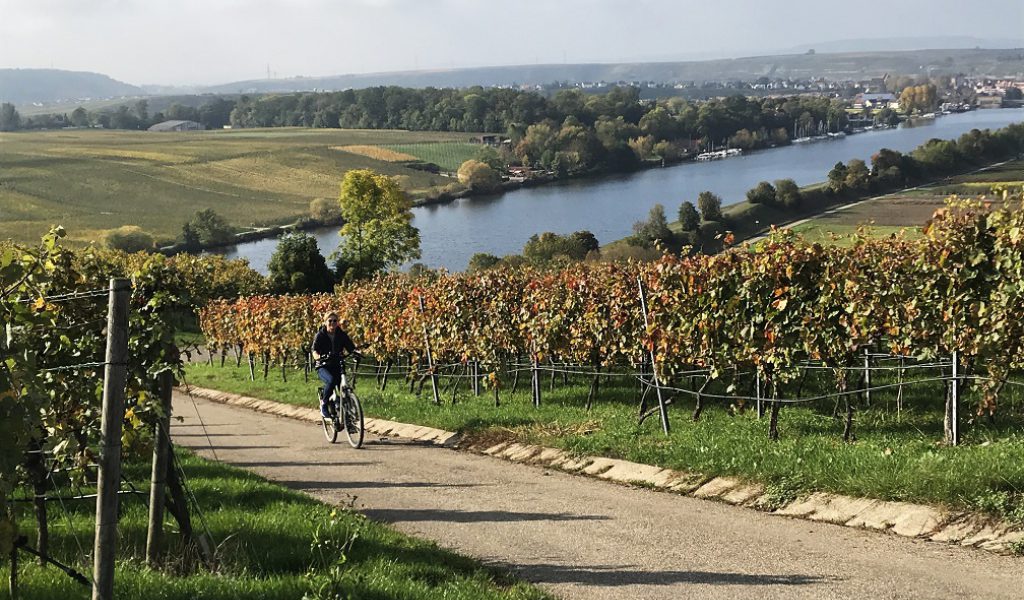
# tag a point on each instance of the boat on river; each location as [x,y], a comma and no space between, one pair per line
[719,154]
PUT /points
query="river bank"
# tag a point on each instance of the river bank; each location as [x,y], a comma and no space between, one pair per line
[607,206]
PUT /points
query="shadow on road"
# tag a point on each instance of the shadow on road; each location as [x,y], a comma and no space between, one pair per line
[472,516]
[344,485]
[628,575]
[290,463]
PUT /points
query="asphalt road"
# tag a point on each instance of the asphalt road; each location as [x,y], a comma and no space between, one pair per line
[584,538]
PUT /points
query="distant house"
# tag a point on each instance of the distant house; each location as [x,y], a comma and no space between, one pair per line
[875,101]
[178,126]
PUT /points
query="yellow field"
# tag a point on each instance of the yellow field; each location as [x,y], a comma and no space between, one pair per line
[377,153]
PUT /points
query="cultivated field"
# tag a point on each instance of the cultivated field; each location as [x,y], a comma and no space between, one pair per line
[90,181]
[448,156]
[908,211]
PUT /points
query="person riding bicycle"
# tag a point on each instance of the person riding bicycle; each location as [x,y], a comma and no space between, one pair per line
[329,345]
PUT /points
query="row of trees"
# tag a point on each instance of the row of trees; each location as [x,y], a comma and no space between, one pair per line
[891,169]
[214,114]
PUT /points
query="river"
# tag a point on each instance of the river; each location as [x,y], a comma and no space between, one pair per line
[608,206]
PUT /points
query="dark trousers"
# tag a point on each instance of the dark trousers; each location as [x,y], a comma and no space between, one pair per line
[331,376]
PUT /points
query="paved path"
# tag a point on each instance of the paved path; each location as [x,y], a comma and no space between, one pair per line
[583,538]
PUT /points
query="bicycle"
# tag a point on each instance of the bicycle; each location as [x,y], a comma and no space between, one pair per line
[346,413]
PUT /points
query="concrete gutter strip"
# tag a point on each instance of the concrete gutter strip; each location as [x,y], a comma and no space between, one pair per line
[901,518]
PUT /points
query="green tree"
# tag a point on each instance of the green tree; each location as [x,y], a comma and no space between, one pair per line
[689,218]
[479,176]
[787,193]
[710,206]
[586,241]
[10,120]
[837,178]
[481,261]
[298,267]
[858,177]
[490,157]
[207,228]
[653,230]
[546,247]
[378,233]
[888,117]
[79,117]
[762,193]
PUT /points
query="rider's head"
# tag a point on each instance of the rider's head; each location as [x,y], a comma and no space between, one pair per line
[331,321]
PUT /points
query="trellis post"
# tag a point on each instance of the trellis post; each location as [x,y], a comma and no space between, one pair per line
[430,357]
[867,376]
[663,412]
[952,425]
[535,379]
[158,477]
[757,392]
[115,379]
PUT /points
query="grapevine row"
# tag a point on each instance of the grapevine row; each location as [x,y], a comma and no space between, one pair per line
[766,307]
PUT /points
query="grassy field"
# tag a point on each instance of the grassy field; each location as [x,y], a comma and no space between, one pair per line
[449,156]
[264,535]
[897,455]
[94,180]
[908,211]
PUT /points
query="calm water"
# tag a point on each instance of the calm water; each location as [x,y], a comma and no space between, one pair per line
[608,207]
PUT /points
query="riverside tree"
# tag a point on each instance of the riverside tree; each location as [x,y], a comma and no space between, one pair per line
[479,176]
[378,233]
[710,205]
[297,266]
[688,216]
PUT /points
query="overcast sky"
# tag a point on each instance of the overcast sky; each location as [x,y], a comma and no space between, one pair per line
[216,41]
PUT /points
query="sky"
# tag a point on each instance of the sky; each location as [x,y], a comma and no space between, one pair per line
[182,42]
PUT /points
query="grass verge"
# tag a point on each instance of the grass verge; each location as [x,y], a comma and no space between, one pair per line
[895,456]
[272,543]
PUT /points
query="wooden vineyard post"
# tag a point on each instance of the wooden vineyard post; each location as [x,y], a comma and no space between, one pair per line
[867,377]
[952,424]
[535,380]
[654,365]
[757,392]
[12,583]
[158,478]
[252,367]
[115,378]
[430,358]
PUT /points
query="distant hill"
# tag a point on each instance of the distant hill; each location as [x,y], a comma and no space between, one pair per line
[26,86]
[852,65]
[910,43]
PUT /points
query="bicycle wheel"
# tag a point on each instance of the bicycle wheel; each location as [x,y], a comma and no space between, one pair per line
[330,425]
[352,418]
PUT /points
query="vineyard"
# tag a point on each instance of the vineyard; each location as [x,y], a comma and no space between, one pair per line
[75,463]
[749,327]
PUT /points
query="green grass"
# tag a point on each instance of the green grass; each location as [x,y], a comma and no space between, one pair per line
[264,534]
[94,180]
[895,457]
[449,156]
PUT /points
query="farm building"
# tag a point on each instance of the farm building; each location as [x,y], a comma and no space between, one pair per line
[178,126]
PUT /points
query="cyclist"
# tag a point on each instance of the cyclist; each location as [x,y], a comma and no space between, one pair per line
[329,345]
